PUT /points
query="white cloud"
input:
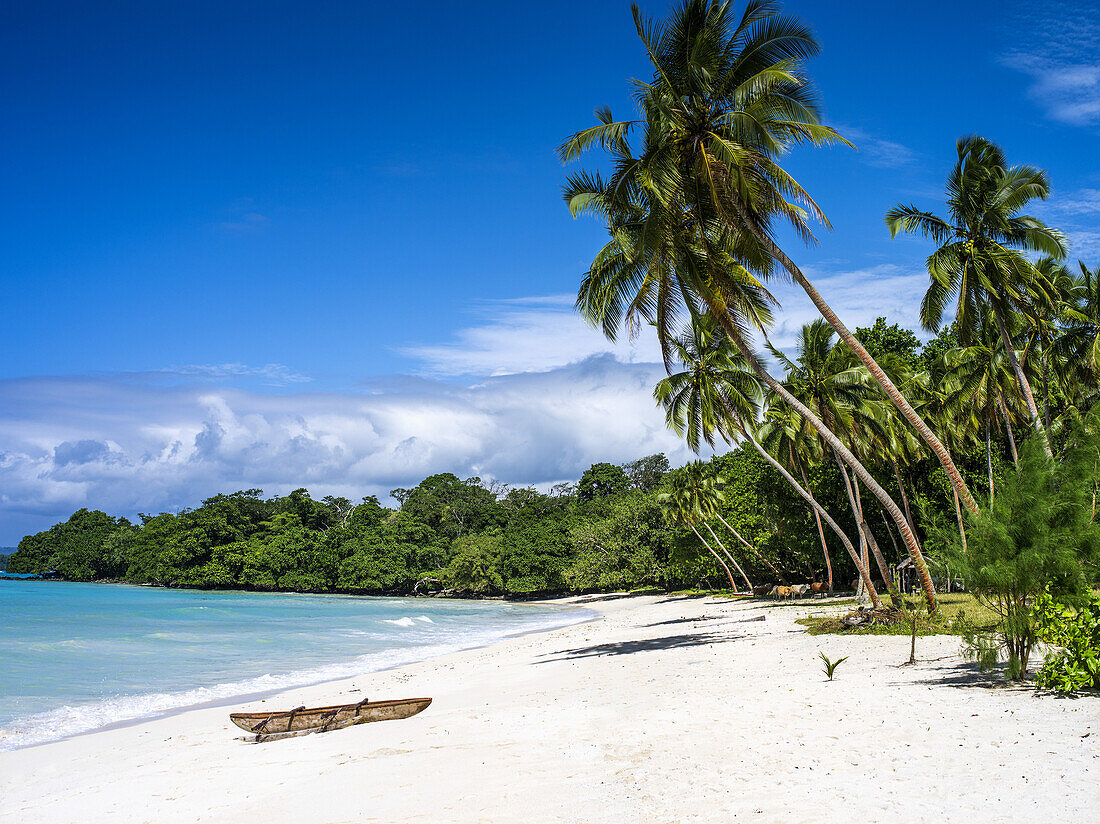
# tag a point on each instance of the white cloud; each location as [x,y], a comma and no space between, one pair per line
[558,397]
[1068,91]
[532,334]
[1059,46]
[271,374]
[857,295]
[876,151]
[126,447]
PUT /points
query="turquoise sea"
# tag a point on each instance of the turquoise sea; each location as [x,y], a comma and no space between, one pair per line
[74,657]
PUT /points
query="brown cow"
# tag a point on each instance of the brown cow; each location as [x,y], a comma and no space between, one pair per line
[783,593]
[818,587]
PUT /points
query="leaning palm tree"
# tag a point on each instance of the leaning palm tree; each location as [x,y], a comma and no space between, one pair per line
[717,397]
[688,503]
[980,261]
[825,377]
[666,256]
[729,96]
[787,438]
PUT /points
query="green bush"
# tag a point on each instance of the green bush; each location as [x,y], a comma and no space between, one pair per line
[1037,536]
[1076,631]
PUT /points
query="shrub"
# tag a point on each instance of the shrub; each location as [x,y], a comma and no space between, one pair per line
[1037,536]
[1076,631]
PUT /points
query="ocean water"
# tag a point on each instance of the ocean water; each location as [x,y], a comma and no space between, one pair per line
[75,657]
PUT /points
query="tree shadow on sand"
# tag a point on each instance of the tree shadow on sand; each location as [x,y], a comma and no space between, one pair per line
[698,639]
[608,596]
[694,620]
[962,675]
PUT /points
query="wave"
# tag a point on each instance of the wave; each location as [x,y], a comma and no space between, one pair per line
[66,721]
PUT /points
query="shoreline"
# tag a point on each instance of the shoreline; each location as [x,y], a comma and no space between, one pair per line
[579,615]
[669,708]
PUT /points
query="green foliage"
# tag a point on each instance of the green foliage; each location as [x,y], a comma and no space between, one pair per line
[1076,632]
[475,564]
[601,480]
[73,550]
[1037,536]
[886,342]
[830,666]
[628,545]
[646,473]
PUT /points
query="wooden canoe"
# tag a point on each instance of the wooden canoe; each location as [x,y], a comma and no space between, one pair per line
[270,726]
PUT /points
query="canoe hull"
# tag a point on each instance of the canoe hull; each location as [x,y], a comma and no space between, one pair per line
[271,726]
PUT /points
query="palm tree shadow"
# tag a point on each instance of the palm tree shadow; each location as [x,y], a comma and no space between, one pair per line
[685,620]
[964,675]
[698,639]
[609,596]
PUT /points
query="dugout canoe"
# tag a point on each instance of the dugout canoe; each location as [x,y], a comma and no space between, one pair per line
[270,726]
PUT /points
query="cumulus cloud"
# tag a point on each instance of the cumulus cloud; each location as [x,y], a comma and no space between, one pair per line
[126,447]
[532,334]
[529,395]
[858,296]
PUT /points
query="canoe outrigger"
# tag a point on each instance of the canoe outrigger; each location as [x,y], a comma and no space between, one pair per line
[269,726]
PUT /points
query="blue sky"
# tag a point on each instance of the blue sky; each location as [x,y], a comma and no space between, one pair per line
[290,244]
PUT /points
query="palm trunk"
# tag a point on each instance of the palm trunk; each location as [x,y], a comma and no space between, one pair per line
[860,470]
[881,378]
[753,550]
[1008,430]
[855,510]
[959,518]
[1021,379]
[1046,391]
[821,535]
[817,508]
[870,542]
[726,552]
[989,461]
[733,586]
[904,497]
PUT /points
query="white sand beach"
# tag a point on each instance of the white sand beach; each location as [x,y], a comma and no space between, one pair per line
[667,709]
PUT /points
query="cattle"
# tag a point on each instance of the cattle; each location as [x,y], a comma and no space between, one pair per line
[818,587]
[799,590]
[761,591]
[783,593]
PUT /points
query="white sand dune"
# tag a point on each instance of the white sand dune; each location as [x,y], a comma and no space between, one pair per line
[668,709]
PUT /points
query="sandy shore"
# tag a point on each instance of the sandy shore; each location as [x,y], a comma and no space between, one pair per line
[667,709]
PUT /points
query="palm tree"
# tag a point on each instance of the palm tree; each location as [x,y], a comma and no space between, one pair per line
[718,397]
[784,434]
[827,379]
[669,252]
[980,256]
[976,382]
[1079,344]
[1042,321]
[691,501]
[727,98]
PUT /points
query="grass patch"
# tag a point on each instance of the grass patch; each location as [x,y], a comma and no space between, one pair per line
[958,613]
